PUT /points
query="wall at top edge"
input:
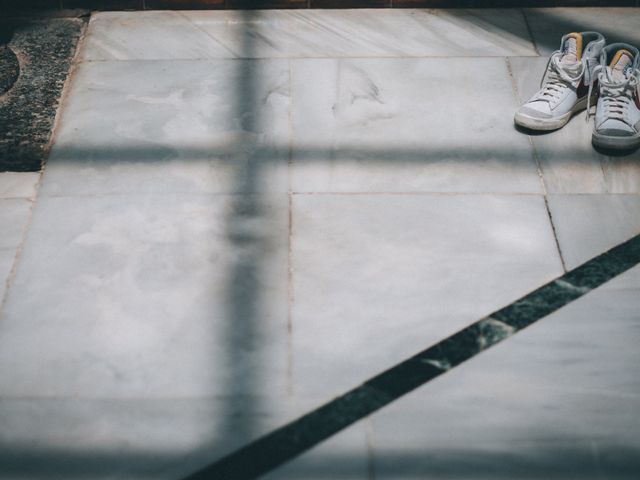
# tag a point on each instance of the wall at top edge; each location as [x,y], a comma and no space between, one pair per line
[9,5]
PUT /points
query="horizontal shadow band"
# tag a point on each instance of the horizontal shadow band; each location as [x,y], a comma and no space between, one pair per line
[285,443]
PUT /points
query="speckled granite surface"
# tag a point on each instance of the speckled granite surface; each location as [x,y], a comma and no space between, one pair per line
[9,68]
[44,49]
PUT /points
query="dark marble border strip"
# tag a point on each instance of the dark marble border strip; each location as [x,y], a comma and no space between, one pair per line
[285,443]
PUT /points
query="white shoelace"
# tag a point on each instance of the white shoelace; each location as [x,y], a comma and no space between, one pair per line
[616,94]
[558,76]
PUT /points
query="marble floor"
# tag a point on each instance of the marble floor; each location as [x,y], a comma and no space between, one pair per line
[247,213]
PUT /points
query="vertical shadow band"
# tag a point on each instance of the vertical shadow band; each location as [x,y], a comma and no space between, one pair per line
[285,443]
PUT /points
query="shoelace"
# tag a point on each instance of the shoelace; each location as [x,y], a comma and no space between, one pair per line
[559,77]
[617,95]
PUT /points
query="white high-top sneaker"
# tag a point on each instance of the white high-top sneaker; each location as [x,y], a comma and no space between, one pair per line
[617,122]
[565,84]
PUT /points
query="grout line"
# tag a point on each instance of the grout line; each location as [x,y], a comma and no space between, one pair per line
[369,439]
[604,172]
[290,360]
[536,158]
[290,298]
[293,193]
[301,57]
[428,193]
[555,233]
[292,439]
[18,251]
[135,398]
[529,30]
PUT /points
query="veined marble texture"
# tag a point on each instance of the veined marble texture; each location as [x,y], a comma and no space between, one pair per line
[355,128]
[16,194]
[311,33]
[553,401]
[149,296]
[383,278]
[589,224]
[218,126]
[14,218]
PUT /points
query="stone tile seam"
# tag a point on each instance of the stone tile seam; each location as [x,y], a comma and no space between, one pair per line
[370,448]
[290,292]
[267,195]
[54,128]
[536,158]
[207,34]
[497,194]
[21,197]
[422,193]
[191,194]
[316,426]
[295,57]
[18,253]
[555,233]
[527,24]
[137,398]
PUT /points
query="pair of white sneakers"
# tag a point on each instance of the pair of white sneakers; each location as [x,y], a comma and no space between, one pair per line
[585,68]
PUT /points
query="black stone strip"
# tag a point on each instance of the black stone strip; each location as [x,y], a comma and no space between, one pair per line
[283,444]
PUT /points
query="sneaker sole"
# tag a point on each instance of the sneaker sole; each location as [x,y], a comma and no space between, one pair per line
[549,124]
[608,142]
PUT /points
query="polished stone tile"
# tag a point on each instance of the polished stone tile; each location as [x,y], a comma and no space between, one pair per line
[148,35]
[568,161]
[552,402]
[407,125]
[7,257]
[377,278]
[549,24]
[18,184]
[155,438]
[373,33]
[14,217]
[149,296]
[622,173]
[192,126]
[124,438]
[628,280]
[310,33]
[587,225]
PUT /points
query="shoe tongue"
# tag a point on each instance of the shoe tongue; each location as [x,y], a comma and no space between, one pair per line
[618,65]
[572,48]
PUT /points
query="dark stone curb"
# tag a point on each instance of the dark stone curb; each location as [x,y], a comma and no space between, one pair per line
[9,69]
[44,49]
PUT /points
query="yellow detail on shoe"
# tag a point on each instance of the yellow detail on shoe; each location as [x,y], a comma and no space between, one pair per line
[578,39]
[619,55]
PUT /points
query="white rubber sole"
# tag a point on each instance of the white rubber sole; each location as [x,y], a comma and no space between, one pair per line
[621,144]
[548,124]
